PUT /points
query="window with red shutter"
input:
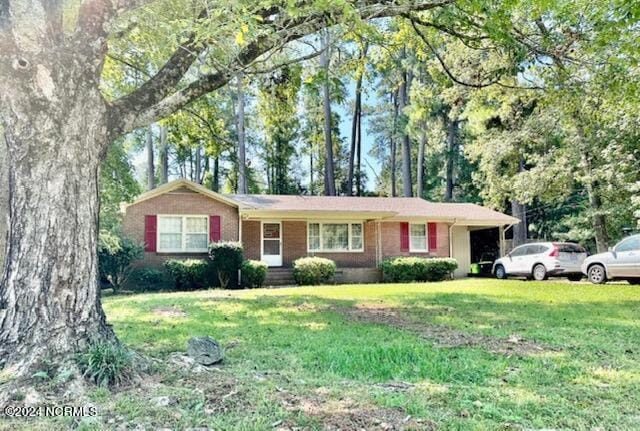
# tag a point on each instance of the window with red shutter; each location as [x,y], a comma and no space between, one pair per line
[215,228]
[404,236]
[150,232]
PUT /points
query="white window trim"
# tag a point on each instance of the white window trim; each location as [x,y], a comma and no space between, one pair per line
[347,222]
[184,233]
[426,239]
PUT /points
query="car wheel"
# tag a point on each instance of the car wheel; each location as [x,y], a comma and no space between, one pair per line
[634,281]
[539,272]
[575,277]
[500,272]
[597,274]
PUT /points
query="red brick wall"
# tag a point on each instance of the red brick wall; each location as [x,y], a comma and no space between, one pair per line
[390,232]
[179,202]
[251,239]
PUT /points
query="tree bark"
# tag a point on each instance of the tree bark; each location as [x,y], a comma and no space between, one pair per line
[4,199]
[151,171]
[407,182]
[452,145]
[242,158]
[49,296]
[329,167]
[216,174]
[163,154]
[198,165]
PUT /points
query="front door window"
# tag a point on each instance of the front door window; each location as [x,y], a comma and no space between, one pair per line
[272,243]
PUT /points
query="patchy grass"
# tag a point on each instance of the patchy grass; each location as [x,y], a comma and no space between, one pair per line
[468,354]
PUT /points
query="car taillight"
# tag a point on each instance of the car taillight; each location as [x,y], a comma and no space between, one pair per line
[555,252]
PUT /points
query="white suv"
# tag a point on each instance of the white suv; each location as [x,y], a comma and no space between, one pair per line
[540,260]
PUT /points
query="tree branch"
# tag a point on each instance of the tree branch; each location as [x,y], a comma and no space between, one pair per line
[125,117]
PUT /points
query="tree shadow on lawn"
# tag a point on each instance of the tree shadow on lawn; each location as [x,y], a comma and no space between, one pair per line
[285,340]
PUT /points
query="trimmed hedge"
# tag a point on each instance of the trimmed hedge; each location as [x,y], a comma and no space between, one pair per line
[406,269]
[313,270]
[148,280]
[189,274]
[254,273]
[227,258]
[116,255]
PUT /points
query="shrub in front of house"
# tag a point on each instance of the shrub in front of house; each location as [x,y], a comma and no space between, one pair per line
[116,255]
[313,270]
[148,280]
[254,273]
[407,269]
[189,274]
[227,258]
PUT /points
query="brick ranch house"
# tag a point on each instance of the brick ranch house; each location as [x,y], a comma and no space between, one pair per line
[180,218]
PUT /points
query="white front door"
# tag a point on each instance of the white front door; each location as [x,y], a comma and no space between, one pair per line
[272,243]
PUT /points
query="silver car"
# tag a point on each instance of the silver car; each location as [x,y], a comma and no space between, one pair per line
[621,262]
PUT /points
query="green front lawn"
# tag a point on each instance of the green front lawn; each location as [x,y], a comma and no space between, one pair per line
[468,354]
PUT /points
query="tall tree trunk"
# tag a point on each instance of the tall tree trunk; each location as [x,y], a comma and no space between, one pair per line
[216,174]
[452,148]
[420,168]
[198,166]
[519,210]
[595,202]
[242,158]
[407,182]
[358,172]
[329,167]
[151,171]
[49,295]
[163,155]
[393,150]
[356,129]
[311,187]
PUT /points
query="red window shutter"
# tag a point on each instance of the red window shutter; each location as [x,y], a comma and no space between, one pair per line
[215,228]
[150,232]
[433,236]
[404,236]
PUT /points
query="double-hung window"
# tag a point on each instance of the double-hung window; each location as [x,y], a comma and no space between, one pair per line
[183,234]
[418,237]
[335,237]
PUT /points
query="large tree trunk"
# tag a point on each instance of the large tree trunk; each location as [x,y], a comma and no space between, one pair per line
[452,149]
[151,171]
[519,210]
[356,138]
[163,155]
[216,174]
[407,182]
[329,167]
[4,199]
[49,296]
[595,202]
[242,158]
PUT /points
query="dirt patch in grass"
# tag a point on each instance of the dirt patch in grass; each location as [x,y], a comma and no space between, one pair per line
[443,336]
[346,414]
[169,312]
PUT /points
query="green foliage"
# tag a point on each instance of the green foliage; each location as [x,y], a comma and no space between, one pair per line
[117,185]
[313,270]
[189,274]
[407,269]
[254,273]
[106,364]
[147,280]
[227,257]
[116,255]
